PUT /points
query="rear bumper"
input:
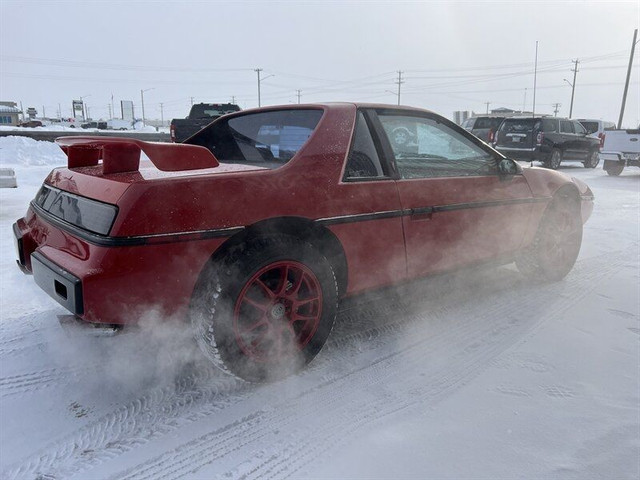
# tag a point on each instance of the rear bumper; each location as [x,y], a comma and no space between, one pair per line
[114,285]
[528,154]
[61,285]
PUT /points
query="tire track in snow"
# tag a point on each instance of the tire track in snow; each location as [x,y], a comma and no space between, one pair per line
[30,382]
[476,342]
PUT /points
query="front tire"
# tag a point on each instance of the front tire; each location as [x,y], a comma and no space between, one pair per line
[615,170]
[266,311]
[557,243]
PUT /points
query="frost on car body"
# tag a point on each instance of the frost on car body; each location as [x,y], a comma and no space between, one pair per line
[257,226]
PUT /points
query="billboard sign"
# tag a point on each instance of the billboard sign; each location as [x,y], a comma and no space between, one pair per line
[126,106]
[78,109]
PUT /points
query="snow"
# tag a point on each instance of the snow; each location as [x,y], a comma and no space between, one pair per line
[468,376]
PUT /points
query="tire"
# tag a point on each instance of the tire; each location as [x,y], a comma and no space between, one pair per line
[593,159]
[555,248]
[266,311]
[554,160]
[615,170]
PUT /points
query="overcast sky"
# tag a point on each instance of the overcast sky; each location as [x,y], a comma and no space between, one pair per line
[453,55]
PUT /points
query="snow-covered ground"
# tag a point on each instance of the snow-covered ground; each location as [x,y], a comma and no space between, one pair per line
[471,376]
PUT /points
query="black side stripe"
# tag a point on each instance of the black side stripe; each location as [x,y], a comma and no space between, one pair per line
[363,217]
[155,239]
[135,240]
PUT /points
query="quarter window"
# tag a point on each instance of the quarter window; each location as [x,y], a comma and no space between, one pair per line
[363,161]
[424,148]
[265,139]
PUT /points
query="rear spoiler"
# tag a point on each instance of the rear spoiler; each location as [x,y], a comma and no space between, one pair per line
[123,154]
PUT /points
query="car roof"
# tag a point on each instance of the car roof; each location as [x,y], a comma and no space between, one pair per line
[337,105]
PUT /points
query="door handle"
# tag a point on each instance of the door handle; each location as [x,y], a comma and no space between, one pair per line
[422,213]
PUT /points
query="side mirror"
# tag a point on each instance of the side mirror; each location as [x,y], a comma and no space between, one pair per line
[508,166]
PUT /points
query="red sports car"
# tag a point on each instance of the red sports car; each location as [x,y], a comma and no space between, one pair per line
[255,227]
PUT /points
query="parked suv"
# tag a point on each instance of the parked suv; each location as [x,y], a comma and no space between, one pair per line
[483,126]
[597,128]
[548,140]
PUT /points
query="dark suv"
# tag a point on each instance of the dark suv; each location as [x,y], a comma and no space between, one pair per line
[548,140]
[483,126]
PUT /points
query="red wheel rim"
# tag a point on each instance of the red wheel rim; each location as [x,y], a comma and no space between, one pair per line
[277,311]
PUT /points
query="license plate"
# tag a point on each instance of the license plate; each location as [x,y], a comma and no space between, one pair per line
[515,139]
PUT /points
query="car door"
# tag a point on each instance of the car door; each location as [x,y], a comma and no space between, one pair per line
[569,145]
[458,209]
[583,144]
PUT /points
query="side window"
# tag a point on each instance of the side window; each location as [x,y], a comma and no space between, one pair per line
[579,129]
[549,126]
[363,161]
[566,126]
[426,148]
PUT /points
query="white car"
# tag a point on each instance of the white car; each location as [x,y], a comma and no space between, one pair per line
[8,178]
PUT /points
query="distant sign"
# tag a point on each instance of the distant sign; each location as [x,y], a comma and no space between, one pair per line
[32,112]
[78,109]
[127,109]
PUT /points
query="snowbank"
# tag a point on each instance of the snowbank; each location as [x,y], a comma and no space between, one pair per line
[26,151]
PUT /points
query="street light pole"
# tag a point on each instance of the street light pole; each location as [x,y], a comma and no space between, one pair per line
[258,70]
[142,98]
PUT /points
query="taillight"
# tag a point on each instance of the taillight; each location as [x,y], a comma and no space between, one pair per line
[539,138]
[172,133]
[601,136]
[492,135]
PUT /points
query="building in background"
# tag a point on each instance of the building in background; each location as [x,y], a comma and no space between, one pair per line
[460,116]
[9,114]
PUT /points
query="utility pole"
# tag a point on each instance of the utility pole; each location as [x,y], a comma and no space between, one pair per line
[59,112]
[487,104]
[298,93]
[161,115]
[44,113]
[573,85]
[113,108]
[258,70]
[191,101]
[110,111]
[399,82]
[535,79]
[233,99]
[556,106]
[524,103]
[626,85]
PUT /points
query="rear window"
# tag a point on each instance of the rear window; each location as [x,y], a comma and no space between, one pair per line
[203,110]
[265,139]
[520,125]
[487,122]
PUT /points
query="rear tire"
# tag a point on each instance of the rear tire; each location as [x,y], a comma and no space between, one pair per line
[554,160]
[593,159]
[266,311]
[557,243]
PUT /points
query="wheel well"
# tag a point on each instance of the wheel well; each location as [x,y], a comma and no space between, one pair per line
[569,191]
[304,229]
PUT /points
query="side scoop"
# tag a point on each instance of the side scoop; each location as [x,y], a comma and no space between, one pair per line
[123,154]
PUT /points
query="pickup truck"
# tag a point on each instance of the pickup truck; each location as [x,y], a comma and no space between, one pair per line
[201,115]
[621,148]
